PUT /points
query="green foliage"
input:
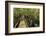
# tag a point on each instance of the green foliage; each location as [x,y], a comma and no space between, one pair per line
[31,13]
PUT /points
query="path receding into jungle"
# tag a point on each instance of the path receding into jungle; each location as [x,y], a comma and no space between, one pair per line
[23,24]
